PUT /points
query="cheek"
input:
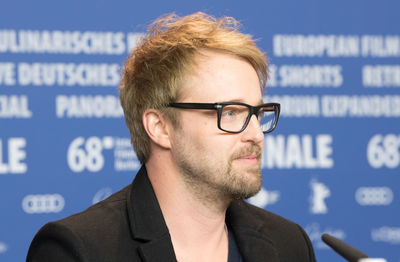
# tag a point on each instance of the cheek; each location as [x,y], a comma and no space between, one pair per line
[206,127]
[201,128]
[197,124]
[207,140]
[221,147]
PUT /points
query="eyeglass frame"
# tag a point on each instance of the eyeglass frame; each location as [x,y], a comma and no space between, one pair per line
[253,110]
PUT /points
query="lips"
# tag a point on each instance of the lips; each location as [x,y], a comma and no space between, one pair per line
[249,159]
[248,155]
[253,156]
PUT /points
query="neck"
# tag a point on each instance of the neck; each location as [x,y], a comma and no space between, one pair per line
[196,221]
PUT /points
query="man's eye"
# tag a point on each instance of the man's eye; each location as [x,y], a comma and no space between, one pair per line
[235,112]
[229,113]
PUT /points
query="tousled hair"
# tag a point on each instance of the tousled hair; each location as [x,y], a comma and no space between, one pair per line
[153,74]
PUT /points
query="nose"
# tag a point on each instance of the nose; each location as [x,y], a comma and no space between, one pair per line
[253,132]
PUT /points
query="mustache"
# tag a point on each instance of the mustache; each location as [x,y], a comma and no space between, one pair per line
[250,150]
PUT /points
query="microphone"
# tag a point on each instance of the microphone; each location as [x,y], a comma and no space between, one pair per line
[345,250]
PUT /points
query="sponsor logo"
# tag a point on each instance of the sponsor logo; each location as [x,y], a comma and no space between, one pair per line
[264,197]
[374,196]
[386,234]
[38,204]
[101,195]
[319,192]
[314,232]
[3,247]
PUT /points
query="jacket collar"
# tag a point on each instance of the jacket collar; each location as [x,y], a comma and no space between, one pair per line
[147,222]
[148,226]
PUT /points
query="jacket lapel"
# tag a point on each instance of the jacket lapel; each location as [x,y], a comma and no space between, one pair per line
[251,238]
[157,250]
[147,222]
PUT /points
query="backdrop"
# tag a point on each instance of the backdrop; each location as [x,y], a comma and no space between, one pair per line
[332,165]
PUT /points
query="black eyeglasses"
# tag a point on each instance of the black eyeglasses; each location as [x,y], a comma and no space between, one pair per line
[233,117]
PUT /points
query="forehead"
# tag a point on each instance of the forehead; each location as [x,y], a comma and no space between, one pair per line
[219,77]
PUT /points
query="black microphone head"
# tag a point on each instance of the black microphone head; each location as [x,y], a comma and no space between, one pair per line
[345,250]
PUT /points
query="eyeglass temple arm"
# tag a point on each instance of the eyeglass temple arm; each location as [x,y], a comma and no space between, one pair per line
[195,105]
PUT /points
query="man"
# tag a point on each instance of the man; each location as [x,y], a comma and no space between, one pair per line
[192,97]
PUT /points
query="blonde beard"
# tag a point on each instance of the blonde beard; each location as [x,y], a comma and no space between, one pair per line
[210,180]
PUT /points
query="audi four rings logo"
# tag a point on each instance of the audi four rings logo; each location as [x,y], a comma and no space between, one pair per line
[49,203]
[374,196]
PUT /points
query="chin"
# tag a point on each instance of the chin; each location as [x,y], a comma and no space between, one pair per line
[247,188]
[245,181]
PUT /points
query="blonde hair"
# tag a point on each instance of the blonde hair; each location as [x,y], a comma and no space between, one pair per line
[153,73]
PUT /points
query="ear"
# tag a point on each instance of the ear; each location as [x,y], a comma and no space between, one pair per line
[156,127]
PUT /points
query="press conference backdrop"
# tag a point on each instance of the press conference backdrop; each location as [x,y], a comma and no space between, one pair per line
[332,165]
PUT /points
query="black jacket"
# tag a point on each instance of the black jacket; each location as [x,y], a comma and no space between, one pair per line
[129,226]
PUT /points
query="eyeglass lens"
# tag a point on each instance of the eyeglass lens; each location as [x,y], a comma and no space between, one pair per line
[233,117]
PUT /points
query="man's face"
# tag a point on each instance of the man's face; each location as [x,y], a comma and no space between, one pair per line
[208,158]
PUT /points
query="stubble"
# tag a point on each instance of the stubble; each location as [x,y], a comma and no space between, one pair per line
[211,178]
